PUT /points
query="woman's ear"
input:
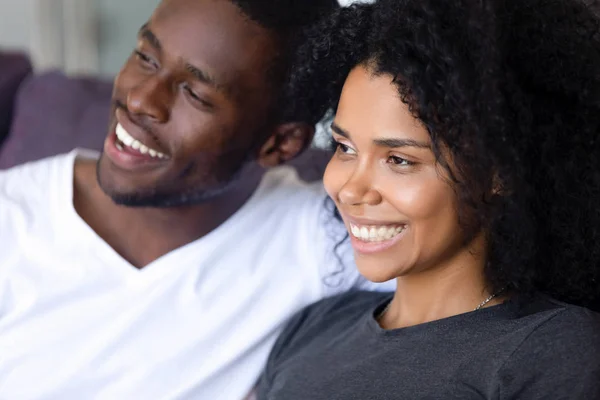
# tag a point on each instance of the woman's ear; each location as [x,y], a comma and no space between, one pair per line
[287,141]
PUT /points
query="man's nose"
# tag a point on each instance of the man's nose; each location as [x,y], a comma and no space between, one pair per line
[152,98]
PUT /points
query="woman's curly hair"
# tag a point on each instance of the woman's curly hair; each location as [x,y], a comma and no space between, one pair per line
[512,90]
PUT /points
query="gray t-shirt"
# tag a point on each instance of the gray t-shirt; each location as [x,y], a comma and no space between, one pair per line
[336,350]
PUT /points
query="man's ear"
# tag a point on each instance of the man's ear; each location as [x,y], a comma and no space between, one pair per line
[286,142]
[498,187]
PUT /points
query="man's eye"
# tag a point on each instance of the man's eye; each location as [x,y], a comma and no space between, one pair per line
[144,58]
[197,98]
[192,94]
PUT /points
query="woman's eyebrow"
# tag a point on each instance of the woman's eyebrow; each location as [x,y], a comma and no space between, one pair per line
[339,131]
[384,142]
[393,143]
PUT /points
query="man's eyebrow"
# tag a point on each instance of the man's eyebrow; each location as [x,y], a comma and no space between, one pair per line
[391,143]
[199,74]
[204,77]
[147,34]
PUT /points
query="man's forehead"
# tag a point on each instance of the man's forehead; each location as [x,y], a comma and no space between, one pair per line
[213,35]
[225,11]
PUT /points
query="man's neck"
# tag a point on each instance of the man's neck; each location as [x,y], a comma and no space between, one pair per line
[142,235]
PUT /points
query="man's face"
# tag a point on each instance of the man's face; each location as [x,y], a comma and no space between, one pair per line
[189,106]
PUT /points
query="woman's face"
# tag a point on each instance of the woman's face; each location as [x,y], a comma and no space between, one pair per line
[396,201]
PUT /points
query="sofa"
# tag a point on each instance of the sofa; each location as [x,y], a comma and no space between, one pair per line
[42,115]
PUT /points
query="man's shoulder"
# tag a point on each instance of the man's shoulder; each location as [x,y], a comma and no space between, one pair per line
[282,192]
[33,176]
[285,181]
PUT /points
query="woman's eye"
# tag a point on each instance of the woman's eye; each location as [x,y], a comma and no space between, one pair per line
[344,149]
[398,161]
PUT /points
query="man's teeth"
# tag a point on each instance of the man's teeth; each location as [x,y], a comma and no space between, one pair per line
[128,140]
[375,233]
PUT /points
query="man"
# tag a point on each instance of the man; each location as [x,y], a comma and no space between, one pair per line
[165,268]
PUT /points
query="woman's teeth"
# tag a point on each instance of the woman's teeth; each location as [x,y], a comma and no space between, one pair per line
[125,139]
[375,233]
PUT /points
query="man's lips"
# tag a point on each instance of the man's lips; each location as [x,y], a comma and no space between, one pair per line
[126,142]
[128,159]
[134,134]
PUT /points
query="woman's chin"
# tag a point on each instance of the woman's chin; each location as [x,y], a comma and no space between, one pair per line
[374,272]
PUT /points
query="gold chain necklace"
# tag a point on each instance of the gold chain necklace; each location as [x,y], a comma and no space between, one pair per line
[483,303]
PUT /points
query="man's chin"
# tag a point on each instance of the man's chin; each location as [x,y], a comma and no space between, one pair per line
[160,200]
[123,193]
[129,196]
[132,191]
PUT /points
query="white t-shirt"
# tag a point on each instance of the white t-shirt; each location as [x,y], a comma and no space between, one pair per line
[77,321]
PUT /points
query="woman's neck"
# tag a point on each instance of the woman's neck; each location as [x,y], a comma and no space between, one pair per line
[454,287]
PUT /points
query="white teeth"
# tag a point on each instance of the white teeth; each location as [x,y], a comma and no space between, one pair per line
[119,146]
[364,233]
[375,233]
[391,232]
[128,140]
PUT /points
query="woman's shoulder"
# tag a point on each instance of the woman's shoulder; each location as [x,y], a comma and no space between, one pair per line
[557,315]
[549,321]
[351,303]
[561,347]
[329,317]
[342,309]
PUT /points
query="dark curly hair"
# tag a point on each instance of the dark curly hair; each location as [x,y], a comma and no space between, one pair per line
[512,90]
[285,19]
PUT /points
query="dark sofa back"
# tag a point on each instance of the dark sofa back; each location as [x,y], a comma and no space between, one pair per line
[14,68]
[54,114]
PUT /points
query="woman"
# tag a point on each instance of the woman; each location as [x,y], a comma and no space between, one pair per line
[467,167]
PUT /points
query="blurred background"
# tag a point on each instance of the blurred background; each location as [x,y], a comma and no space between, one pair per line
[91,37]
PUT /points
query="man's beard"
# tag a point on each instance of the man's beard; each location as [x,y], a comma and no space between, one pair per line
[176,197]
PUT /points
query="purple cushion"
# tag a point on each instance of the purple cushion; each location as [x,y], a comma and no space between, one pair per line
[54,114]
[14,67]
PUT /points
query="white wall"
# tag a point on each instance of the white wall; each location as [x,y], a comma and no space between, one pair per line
[105,31]
[119,22]
[15,23]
